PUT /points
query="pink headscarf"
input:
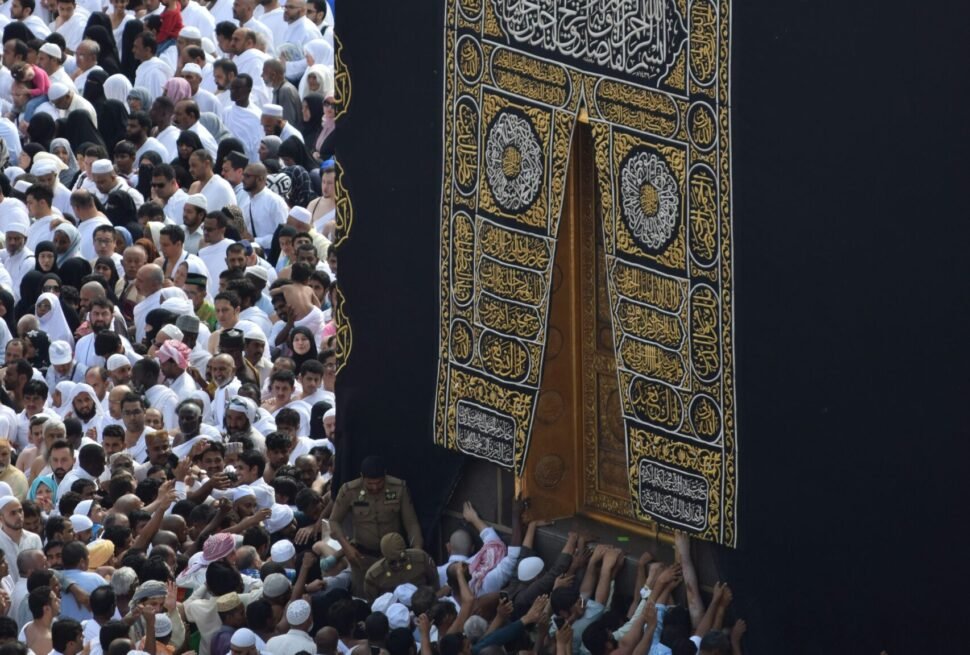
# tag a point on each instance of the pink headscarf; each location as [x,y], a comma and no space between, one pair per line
[177,89]
[175,351]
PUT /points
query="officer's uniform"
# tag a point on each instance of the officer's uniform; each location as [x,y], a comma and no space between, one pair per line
[373,516]
[399,565]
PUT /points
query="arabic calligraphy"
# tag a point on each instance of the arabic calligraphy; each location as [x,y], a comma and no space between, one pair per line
[636,37]
[513,161]
[676,496]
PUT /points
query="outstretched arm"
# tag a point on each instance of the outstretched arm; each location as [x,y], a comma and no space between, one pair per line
[707,621]
[588,585]
[694,601]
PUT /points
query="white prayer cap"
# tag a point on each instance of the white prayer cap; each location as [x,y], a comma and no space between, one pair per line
[6,500]
[257,271]
[280,517]
[190,32]
[282,551]
[191,68]
[197,200]
[13,218]
[180,306]
[43,166]
[273,110]
[243,638]
[241,491]
[330,412]
[253,332]
[52,50]
[172,332]
[404,593]
[529,568]
[208,46]
[57,90]
[382,603]
[80,523]
[60,353]
[101,167]
[301,214]
[5,490]
[163,625]
[116,361]
[298,612]
[84,507]
[265,496]
[22,187]
[398,616]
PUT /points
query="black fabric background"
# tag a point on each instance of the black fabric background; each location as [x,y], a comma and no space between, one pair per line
[851,226]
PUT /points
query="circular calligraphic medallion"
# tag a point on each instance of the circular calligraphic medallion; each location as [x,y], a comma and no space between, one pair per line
[513,162]
[648,191]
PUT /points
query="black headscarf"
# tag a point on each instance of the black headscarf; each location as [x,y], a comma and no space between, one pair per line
[128,62]
[17,30]
[78,128]
[311,129]
[32,149]
[296,150]
[45,246]
[120,210]
[316,419]
[6,298]
[42,129]
[181,166]
[30,289]
[144,185]
[112,114]
[225,147]
[73,270]
[310,354]
[102,35]
[42,345]
[109,263]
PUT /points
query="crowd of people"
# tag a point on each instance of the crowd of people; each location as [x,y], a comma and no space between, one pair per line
[167,412]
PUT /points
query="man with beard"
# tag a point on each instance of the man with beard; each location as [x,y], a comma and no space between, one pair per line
[119,370]
[86,408]
[60,458]
[100,317]
[191,426]
[223,371]
[242,118]
[137,131]
[133,417]
[144,380]
[173,357]
[161,114]
[186,117]
[13,538]
[97,378]
[16,257]
[299,29]
[240,415]
[16,375]
[263,210]
[63,365]
[274,124]
[11,474]
[133,259]
[91,464]
[159,448]
[232,343]
[223,73]
[34,399]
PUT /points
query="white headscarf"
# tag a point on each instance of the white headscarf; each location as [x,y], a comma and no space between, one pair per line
[74,249]
[66,388]
[324,75]
[320,51]
[53,322]
[117,87]
[89,390]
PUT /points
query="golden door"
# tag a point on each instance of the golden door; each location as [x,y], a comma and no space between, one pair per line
[577,455]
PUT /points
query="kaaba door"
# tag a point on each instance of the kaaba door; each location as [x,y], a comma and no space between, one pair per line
[577,454]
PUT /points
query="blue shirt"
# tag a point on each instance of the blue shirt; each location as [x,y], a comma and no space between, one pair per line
[88,582]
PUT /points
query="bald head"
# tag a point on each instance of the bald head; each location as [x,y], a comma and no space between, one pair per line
[326,640]
[127,504]
[460,543]
[150,279]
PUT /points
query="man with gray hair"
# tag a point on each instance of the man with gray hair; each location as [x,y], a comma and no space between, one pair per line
[282,92]
[149,282]
[86,58]
[28,561]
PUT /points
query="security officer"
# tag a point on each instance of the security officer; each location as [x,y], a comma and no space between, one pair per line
[379,504]
[399,565]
